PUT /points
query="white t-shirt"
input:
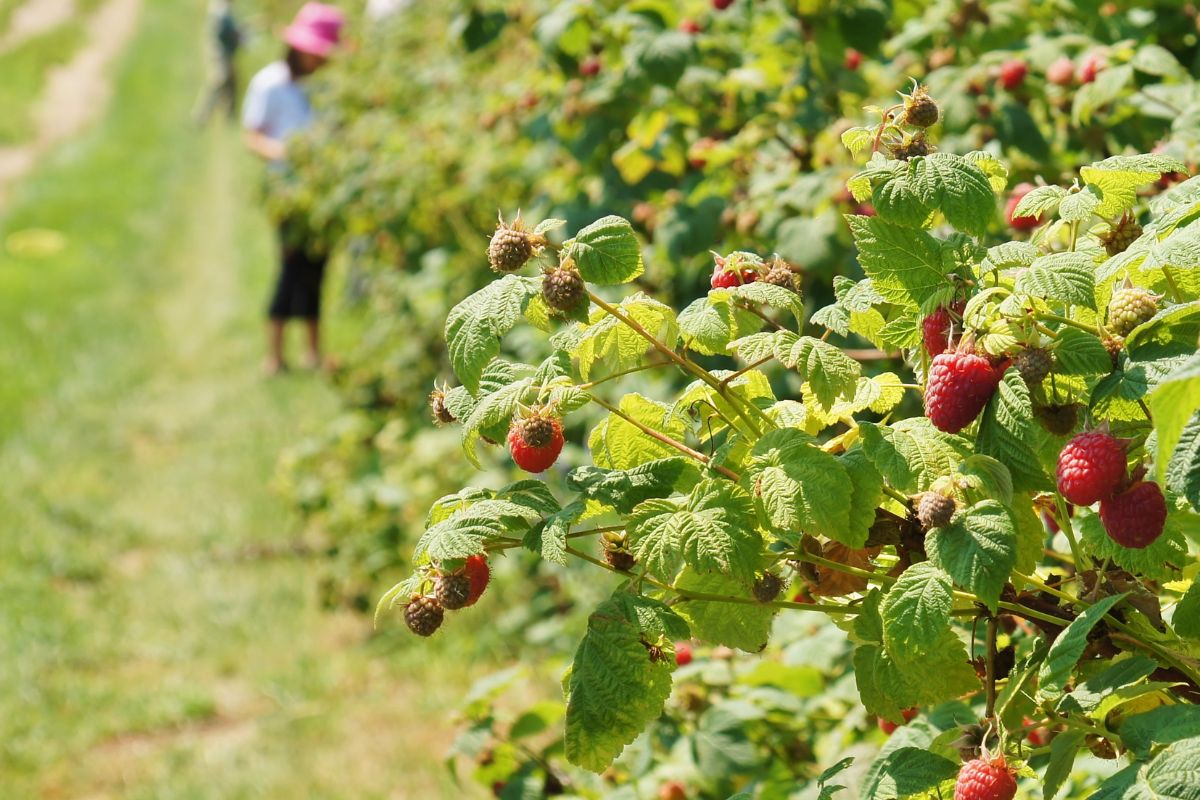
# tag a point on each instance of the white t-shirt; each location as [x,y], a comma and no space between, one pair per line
[275,105]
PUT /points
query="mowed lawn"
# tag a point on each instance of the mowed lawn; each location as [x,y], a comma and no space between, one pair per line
[147,647]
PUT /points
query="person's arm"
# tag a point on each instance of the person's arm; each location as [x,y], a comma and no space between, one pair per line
[255,111]
[264,146]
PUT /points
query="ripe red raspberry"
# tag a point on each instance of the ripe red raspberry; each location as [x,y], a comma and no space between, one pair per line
[1091,66]
[1090,468]
[1136,516]
[853,59]
[535,442]
[935,328]
[1038,736]
[674,790]
[689,25]
[1012,73]
[725,278]
[590,67]
[889,727]
[959,386]
[1020,223]
[683,654]
[985,780]
[478,573]
[721,5]
[1061,72]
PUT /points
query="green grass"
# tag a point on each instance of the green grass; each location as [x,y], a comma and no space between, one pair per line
[145,652]
[25,69]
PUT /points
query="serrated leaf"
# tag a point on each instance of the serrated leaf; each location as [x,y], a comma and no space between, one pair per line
[1161,725]
[1186,620]
[827,369]
[492,411]
[624,489]
[797,486]
[769,295]
[978,550]
[607,337]
[1087,696]
[1119,177]
[905,265]
[1065,277]
[911,454]
[474,326]
[1068,647]
[1079,206]
[606,252]
[866,497]
[708,326]
[1173,403]
[1174,774]
[712,530]
[909,771]
[956,187]
[1160,560]
[1077,352]
[746,627]
[856,139]
[549,537]
[916,612]
[1063,748]
[614,689]
[618,444]
[1009,434]
[1009,255]
[1041,201]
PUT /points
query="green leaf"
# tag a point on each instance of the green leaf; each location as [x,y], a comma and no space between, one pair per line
[1186,620]
[828,370]
[978,549]
[1087,696]
[867,496]
[721,743]
[905,265]
[713,531]
[549,537]
[1065,277]
[1160,560]
[1119,177]
[1063,748]
[474,326]
[957,187]
[908,771]
[618,444]
[911,454]
[607,337]
[798,487]
[1009,255]
[1077,352]
[1009,434]
[709,326]
[624,489]
[1041,201]
[1161,725]
[492,413]
[1079,206]
[1183,472]
[746,627]
[888,687]
[916,612]
[614,689]
[465,532]
[768,295]
[1067,649]
[1173,403]
[1174,774]
[606,252]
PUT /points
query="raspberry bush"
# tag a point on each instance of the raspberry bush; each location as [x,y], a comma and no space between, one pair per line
[918,508]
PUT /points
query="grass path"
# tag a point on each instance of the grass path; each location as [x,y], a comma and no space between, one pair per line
[141,655]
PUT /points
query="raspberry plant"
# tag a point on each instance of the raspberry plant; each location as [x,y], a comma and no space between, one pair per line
[783,459]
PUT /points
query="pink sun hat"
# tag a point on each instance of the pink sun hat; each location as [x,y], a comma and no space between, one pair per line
[317,29]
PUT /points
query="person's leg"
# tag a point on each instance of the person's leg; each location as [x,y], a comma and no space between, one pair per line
[275,363]
[312,330]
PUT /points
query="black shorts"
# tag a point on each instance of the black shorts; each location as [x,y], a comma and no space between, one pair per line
[298,291]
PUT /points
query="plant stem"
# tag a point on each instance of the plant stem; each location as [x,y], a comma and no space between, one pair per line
[991,667]
[1176,295]
[895,495]
[685,364]
[593,384]
[1083,326]
[735,375]
[1064,525]
[667,440]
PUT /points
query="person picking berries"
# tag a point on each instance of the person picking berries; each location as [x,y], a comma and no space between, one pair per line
[276,108]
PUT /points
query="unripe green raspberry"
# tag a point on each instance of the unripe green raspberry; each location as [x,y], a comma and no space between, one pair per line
[1123,233]
[1129,308]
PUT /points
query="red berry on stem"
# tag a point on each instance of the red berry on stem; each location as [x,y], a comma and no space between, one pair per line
[853,59]
[1135,517]
[1014,199]
[1090,67]
[726,278]
[478,573]
[683,654]
[590,66]
[1090,468]
[1012,73]
[959,386]
[672,790]
[721,5]
[936,328]
[985,780]
[690,25]
[535,442]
